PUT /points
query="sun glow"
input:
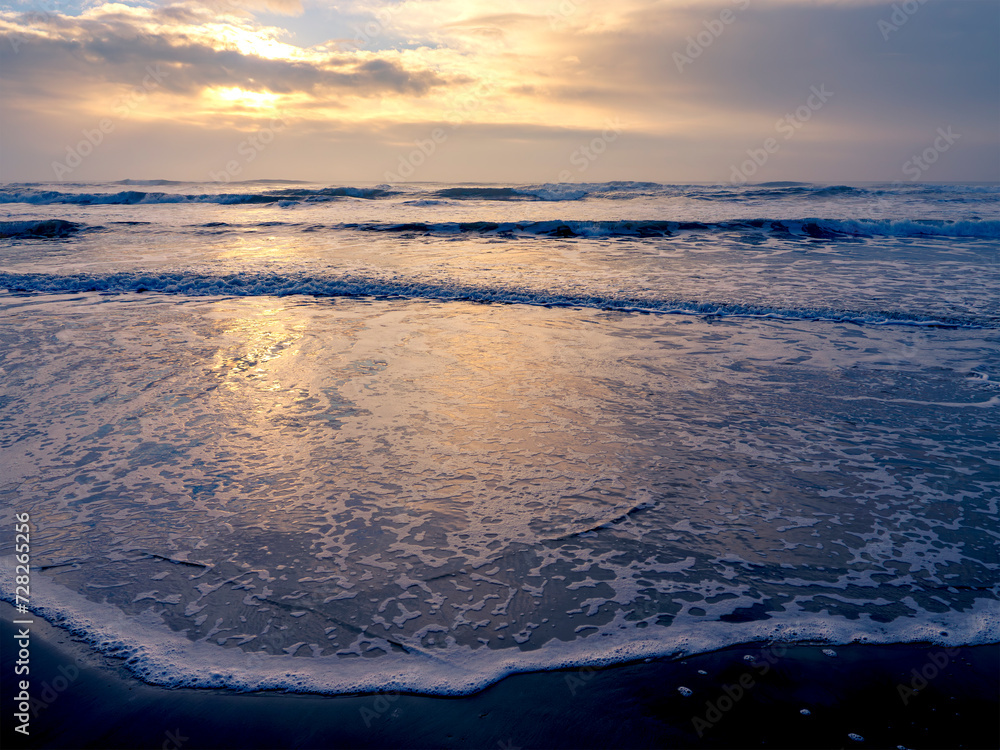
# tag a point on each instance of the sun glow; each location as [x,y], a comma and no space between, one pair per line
[261,100]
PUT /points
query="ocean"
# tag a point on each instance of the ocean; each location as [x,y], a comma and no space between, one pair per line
[335,439]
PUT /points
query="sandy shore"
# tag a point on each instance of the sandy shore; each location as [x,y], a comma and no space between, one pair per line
[739,697]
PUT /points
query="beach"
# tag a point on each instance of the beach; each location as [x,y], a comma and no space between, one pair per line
[504,375]
[860,690]
[502,466]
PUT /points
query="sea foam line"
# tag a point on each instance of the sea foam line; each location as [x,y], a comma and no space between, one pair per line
[808,228]
[990,402]
[265,191]
[811,229]
[192,283]
[158,655]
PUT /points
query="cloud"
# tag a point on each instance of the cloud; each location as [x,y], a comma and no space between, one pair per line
[522,77]
[286,7]
[499,19]
[115,44]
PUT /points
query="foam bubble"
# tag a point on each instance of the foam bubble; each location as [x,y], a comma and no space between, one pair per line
[193,283]
[159,655]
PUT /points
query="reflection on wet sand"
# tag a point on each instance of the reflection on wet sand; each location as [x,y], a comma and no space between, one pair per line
[358,478]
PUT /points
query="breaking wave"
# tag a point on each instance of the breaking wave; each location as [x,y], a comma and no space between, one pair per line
[137,197]
[812,228]
[29,229]
[353,285]
[275,191]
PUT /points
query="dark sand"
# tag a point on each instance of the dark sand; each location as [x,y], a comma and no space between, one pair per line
[90,701]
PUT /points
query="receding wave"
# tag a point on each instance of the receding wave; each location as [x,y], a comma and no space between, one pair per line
[158,655]
[352,285]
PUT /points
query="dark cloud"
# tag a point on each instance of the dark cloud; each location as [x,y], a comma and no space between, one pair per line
[942,64]
[941,68]
[117,50]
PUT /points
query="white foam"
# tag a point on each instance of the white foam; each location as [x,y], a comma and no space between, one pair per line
[159,655]
[250,284]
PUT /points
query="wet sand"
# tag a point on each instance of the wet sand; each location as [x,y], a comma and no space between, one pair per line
[750,696]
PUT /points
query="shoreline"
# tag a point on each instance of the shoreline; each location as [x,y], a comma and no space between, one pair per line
[744,696]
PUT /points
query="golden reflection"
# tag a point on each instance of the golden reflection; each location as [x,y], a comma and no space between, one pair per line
[250,246]
[257,342]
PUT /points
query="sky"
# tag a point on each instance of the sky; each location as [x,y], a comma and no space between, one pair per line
[354,91]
